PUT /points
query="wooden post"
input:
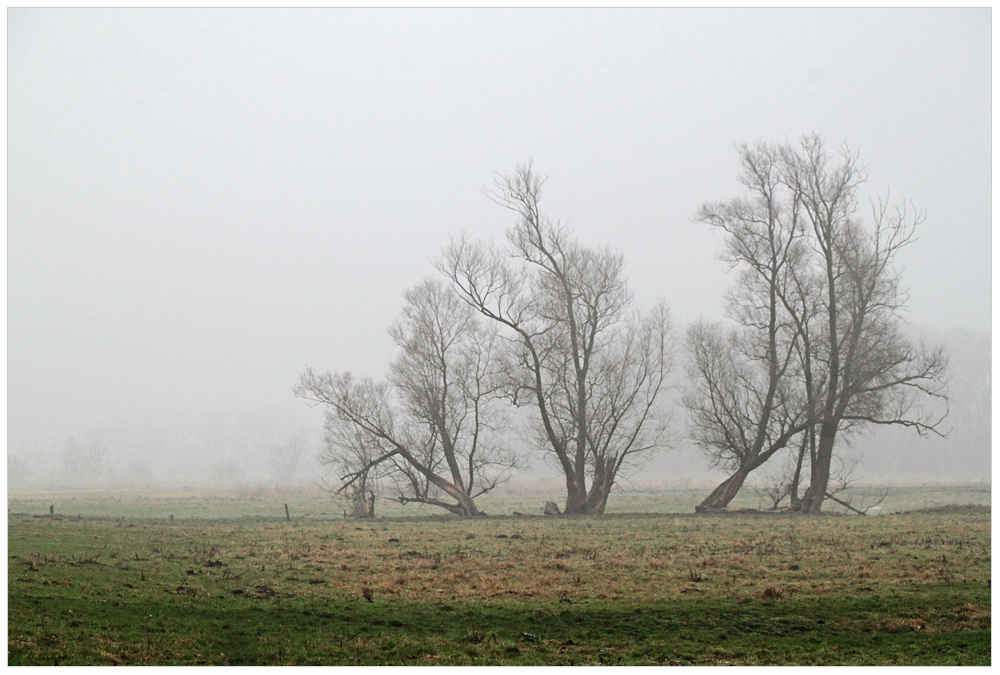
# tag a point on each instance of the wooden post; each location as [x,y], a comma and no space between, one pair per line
[288,516]
[52,510]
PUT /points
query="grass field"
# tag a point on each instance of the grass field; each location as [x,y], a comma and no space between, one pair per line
[112,578]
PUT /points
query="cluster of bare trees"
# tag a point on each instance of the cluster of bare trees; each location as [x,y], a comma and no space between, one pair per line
[812,350]
[543,323]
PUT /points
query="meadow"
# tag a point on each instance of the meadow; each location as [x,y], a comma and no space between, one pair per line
[223,577]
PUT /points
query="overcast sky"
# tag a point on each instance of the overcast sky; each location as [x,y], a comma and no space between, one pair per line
[202,203]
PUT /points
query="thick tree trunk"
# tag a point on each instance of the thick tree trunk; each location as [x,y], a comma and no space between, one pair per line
[467,512]
[465,507]
[579,500]
[576,494]
[819,480]
[597,500]
[722,495]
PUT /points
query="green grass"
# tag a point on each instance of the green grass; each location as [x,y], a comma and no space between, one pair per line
[753,589]
[265,631]
[310,502]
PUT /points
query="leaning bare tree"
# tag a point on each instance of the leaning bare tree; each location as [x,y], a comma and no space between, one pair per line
[741,412]
[744,401]
[433,429]
[818,301]
[591,367]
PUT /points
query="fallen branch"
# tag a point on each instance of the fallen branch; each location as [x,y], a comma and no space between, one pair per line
[846,505]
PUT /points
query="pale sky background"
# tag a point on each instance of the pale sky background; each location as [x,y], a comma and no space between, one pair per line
[202,203]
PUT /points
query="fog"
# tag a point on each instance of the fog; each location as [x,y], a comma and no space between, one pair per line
[202,203]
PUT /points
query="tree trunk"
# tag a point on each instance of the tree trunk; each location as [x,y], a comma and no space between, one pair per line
[808,443]
[468,512]
[819,480]
[576,494]
[597,500]
[466,507]
[722,495]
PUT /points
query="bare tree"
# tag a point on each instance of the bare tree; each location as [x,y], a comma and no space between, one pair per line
[591,367]
[818,303]
[433,429]
[870,373]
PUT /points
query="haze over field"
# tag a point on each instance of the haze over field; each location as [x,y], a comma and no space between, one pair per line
[203,203]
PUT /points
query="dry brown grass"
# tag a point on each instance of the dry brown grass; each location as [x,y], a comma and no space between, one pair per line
[569,559]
